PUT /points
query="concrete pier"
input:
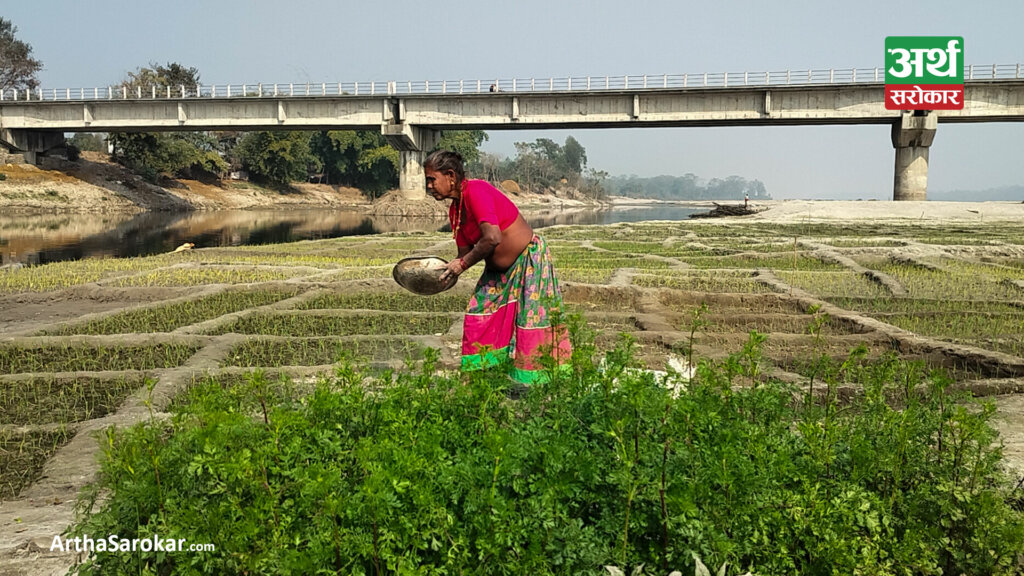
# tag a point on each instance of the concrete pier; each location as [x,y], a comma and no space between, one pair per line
[912,136]
[412,144]
[30,143]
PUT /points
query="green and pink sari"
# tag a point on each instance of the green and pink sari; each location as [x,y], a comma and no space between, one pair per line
[509,316]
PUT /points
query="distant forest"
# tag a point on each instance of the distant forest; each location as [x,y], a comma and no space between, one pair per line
[688,187]
[990,194]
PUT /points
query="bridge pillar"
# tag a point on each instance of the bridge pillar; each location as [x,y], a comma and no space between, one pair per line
[912,137]
[31,143]
[412,144]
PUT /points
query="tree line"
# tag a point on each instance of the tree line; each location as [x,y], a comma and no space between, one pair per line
[688,187]
[358,158]
[544,166]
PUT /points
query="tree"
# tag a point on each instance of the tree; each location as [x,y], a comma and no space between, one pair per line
[88,141]
[488,167]
[592,184]
[151,154]
[465,142]
[278,158]
[575,155]
[171,75]
[358,158]
[183,154]
[17,66]
[688,187]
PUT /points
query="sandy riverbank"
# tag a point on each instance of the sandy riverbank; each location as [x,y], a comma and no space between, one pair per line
[833,211]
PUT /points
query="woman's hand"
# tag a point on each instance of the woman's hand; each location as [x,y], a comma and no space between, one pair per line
[454,269]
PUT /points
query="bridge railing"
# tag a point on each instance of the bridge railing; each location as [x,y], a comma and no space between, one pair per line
[972,72]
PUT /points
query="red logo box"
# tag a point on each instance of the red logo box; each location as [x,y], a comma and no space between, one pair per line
[924,96]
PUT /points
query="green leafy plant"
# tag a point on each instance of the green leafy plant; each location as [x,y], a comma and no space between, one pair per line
[415,471]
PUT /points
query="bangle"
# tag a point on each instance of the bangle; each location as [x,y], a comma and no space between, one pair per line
[462,262]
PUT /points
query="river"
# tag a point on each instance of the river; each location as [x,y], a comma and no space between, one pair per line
[41,238]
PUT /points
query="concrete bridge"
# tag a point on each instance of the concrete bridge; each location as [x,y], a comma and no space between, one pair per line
[411,114]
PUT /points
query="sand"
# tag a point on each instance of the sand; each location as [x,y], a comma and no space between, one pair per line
[832,211]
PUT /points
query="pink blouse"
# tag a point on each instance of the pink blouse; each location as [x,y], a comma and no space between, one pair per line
[481,202]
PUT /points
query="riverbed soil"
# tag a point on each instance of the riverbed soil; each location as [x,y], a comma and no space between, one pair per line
[765,272]
[95,183]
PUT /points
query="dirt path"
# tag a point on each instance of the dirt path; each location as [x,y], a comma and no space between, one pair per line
[1009,421]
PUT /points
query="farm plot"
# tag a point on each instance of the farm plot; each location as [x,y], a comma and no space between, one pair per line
[387,300]
[57,275]
[22,456]
[703,281]
[15,358]
[938,284]
[329,324]
[199,276]
[674,284]
[258,352]
[168,317]
[62,400]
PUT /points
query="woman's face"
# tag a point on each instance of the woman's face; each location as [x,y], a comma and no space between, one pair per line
[440,185]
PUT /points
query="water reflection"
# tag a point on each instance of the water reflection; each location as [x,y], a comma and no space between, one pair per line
[43,238]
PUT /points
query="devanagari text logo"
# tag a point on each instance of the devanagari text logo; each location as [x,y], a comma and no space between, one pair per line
[924,73]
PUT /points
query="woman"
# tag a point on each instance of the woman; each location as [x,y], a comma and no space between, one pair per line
[509,315]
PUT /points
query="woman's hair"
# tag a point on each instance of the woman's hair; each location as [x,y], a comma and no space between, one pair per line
[445,160]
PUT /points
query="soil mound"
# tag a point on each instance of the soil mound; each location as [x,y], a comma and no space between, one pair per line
[395,203]
[511,187]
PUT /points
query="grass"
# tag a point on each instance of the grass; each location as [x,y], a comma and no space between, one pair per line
[332,325]
[833,362]
[846,284]
[756,303]
[22,457]
[202,276]
[320,351]
[282,258]
[949,284]
[995,273]
[585,275]
[62,400]
[672,250]
[1001,332]
[768,323]
[702,281]
[358,273]
[796,261]
[605,261]
[910,305]
[170,317]
[16,359]
[864,242]
[59,275]
[396,301]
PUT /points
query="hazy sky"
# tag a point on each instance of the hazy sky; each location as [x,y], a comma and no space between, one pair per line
[94,43]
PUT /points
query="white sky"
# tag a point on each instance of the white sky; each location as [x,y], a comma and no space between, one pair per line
[94,43]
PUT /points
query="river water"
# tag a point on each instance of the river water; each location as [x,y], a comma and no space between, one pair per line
[41,238]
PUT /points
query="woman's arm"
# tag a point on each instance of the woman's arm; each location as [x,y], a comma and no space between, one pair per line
[490,237]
